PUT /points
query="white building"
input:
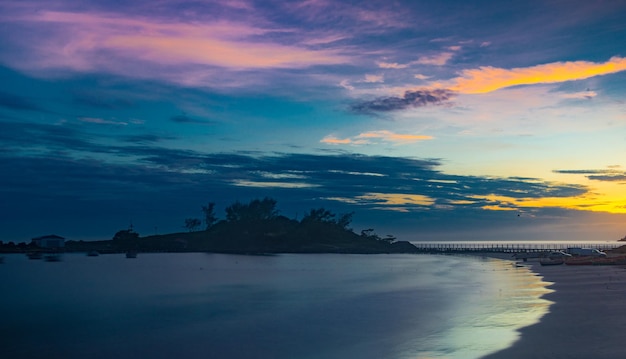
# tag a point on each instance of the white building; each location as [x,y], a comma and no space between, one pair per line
[49,241]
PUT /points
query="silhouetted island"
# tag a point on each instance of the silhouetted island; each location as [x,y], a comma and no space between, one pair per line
[254,228]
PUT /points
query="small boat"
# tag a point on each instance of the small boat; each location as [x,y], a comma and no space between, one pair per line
[52,257]
[579,261]
[551,261]
[34,255]
[93,254]
[131,254]
[621,260]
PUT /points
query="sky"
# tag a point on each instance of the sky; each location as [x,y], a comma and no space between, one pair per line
[449,120]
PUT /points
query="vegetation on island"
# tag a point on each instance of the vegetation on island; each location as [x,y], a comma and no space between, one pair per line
[255,227]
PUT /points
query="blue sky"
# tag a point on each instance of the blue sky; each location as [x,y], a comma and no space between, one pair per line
[431,121]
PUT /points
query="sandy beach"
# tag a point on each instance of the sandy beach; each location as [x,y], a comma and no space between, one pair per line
[587,319]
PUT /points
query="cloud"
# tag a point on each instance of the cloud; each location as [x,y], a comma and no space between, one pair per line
[62,161]
[583,95]
[417,98]
[15,102]
[367,137]
[99,100]
[336,141]
[487,79]
[125,44]
[346,85]
[434,60]
[608,175]
[374,78]
[269,184]
[187,119]
[394,137]
[147,138]
[391,65]
[101,121]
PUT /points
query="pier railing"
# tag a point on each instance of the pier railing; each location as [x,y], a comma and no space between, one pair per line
[443,247]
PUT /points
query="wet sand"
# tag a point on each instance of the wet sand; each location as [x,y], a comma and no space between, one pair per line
[587,319]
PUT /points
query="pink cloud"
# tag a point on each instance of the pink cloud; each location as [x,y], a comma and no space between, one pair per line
[99,41]
[391,65]
[435,60]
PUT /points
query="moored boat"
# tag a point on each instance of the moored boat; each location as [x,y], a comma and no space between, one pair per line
[34,255]
[131,254]
[52,257]
[579,261]
[551,261]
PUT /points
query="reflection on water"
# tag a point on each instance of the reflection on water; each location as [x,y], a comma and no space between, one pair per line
[286,306]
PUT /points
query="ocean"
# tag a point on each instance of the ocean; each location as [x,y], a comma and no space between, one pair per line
[197,305]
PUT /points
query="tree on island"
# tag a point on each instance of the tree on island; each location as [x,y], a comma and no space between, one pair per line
[192,224]
[322,215]
[125,235]
[209,215]
[256,210]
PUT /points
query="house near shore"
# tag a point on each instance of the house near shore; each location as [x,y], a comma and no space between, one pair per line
[51,241]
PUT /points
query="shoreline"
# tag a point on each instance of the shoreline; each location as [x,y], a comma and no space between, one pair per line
[585,320]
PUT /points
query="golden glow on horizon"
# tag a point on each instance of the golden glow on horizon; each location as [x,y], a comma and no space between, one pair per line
[594,202]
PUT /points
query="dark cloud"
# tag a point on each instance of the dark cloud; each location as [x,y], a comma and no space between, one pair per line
[19,103]
[101,101]
[579,172]
[609,178]
[187,119]
[419,98]
[21,137]
[146,138]
[598,175]
[65,173]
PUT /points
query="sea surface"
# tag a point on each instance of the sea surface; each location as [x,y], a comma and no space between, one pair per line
[200,305]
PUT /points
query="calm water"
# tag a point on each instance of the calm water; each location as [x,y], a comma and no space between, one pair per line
[286,306]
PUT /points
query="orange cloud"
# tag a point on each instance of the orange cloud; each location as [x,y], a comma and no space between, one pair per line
[394,137]
[388,201]
[384,135]
[335,141]
[398,199]
[488,79]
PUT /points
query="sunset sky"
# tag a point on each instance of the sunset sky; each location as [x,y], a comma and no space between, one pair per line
[447,120]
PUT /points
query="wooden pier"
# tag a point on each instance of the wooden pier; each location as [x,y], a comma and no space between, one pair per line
[504,247]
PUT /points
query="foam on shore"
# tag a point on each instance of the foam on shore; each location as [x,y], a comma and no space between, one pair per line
[586,319]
